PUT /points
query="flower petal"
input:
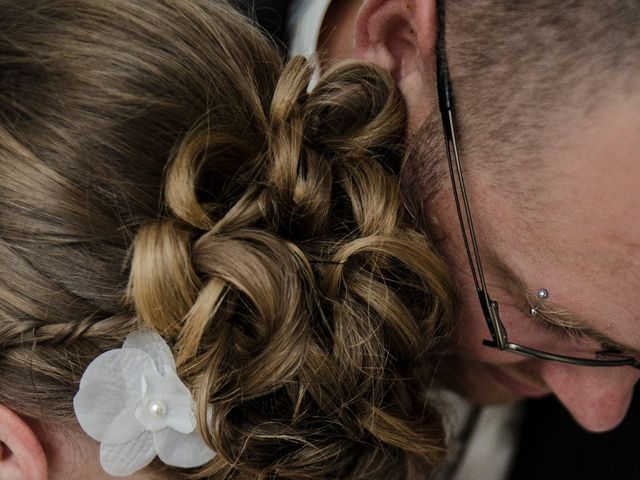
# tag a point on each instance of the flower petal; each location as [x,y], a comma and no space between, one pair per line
[109,386]
[126,458]
[152,343]
[125,426]
[170,392]
[179,450]
[180,404]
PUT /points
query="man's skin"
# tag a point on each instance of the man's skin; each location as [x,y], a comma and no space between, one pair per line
[580,240]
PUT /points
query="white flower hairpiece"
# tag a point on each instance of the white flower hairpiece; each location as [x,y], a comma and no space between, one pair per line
[132,401]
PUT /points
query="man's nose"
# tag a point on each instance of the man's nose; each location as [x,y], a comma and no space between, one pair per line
[596,397]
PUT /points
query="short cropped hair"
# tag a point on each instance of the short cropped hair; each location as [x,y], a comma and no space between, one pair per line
[521,70]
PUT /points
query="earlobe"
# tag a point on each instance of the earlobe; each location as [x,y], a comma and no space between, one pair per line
[22,456]
[398,35]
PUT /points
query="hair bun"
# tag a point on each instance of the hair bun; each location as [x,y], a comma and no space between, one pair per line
[356,110]
[303,290]
[258,225]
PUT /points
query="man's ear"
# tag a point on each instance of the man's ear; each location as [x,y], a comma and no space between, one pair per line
[401,37]
[21,454]
[398,35]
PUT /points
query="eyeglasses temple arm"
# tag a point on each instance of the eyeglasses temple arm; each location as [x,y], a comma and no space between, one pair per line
[445,100]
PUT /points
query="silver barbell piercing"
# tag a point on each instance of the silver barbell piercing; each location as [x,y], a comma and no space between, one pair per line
[542,294]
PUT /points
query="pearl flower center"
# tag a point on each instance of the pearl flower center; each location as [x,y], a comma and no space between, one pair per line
[157,408]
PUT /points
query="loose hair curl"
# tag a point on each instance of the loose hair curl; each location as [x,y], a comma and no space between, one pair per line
[160,167]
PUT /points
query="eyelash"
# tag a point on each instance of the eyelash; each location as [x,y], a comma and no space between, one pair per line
[567,333]
[564,332]
[574,334]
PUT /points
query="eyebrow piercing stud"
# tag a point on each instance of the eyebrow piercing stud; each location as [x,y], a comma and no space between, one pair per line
[542,294]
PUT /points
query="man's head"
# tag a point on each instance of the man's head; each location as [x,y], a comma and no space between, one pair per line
[548,112]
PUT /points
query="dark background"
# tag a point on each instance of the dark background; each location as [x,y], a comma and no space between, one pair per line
[270,15]
[553,447]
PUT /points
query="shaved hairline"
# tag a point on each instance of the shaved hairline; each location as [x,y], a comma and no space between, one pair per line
[521,73]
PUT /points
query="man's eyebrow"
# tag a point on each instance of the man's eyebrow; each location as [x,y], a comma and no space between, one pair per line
[554,313]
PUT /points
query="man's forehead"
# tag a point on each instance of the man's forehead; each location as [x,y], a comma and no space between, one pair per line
[593,197]
[600,142]
[578,196]
[581,229]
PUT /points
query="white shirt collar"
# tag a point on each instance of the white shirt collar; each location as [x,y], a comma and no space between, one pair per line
[305,22]
[492,442]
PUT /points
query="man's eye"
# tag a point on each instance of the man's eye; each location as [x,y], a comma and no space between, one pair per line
[609,350]
[568,333]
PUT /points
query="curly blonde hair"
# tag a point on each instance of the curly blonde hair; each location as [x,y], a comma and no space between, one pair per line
[160,167]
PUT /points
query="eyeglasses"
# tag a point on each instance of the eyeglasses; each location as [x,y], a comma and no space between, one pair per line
[490,307]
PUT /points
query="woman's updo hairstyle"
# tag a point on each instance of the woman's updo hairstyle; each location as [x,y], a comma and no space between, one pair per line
[160,167]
